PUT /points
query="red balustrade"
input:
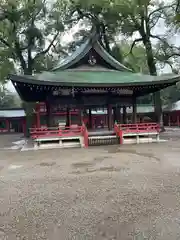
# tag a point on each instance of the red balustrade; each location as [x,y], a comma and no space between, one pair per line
[56,132]
[121,129]
[140,127]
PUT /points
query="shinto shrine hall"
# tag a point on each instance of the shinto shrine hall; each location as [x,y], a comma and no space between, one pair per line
[90,79]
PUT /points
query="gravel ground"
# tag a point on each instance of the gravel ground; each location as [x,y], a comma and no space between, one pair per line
[129,192]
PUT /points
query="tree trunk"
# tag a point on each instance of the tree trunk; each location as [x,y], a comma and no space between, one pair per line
[157,95]
[30,119]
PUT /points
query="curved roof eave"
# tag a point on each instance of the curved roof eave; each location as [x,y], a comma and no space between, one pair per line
[31,80]
[110,59]
[79,53]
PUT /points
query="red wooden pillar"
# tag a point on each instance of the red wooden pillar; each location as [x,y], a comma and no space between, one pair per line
[49,114]
[67,117]
[7,125]
[38,121]
[118,114]
[90,118]
[169,120]
[23,122]
[134,113]
[124,115]
[80,115]
[177,120]
[115,114]
[109,110]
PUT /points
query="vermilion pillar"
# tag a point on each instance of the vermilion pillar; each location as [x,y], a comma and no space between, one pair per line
[49,114]
[121,116]
[109,110]
[178,120]
[124,115]
[38,121]
[80,116]
[118,114]
[158,110]
[67,117]
[7,125]
[134,113]
[24,126]
[90,118]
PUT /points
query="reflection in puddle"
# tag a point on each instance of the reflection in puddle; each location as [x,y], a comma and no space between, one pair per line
[15,166]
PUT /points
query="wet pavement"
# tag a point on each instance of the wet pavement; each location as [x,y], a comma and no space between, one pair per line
[110,192]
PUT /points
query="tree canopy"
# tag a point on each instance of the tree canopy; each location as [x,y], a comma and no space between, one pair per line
[31,33]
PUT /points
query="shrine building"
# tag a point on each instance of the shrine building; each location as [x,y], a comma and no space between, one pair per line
[88,80]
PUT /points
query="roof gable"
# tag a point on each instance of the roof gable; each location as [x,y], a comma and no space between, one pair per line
[91,48]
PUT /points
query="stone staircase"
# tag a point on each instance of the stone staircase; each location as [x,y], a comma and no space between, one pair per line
[102,138]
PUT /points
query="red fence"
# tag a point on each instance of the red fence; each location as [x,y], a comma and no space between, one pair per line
[140,128]
[56,132]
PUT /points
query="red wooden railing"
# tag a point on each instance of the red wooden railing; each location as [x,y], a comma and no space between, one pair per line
[56,132]
[140,127]
[121,129]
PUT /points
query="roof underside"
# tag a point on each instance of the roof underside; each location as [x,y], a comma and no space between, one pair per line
[95,79]
[39,87]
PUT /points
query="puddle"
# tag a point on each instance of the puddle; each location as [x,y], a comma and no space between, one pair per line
[82,164]
[134,151]
[90,163]
[102,169]
[20,142]
[47,164]
[100,159]
[15,167]
[112,169]
[148,155]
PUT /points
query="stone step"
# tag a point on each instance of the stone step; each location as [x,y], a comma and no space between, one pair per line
[51,146]
[103,140]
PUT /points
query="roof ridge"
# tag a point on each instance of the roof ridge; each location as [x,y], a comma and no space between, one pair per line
[91,42]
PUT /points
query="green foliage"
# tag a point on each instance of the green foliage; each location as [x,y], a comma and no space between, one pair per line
[136,60]
[8,99]
[30,29]
[6,65]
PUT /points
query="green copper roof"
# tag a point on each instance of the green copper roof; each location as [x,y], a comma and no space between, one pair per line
[91,44]
[96,78]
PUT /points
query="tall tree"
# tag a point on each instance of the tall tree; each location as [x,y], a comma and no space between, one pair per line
[30,29]
[131,17]
[30,32]
[136,60]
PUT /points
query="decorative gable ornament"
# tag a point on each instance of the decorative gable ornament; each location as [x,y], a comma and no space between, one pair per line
[92,60]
